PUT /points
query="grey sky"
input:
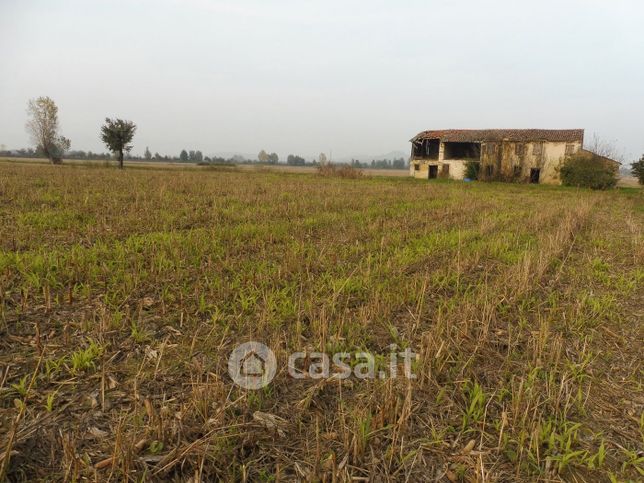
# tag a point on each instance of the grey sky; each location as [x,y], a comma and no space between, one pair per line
[355,77]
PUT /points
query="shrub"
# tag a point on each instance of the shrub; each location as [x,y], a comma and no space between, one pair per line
[637,170]
[472,169]
[588,170]
[339,171]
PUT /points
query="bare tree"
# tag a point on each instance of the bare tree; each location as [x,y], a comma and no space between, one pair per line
[605,148]
[322,159]
[42,126]
[263,156]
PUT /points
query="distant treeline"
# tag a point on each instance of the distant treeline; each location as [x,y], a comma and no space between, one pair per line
[184,156]
[396,163]
[196,156]
[33,153]
[399,163]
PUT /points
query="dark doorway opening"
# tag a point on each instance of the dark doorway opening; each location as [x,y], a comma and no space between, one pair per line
[433,172]
[534,175]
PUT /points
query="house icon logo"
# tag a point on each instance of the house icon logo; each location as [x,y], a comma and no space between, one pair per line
[252,365]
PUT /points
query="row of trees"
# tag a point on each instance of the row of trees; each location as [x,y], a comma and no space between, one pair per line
[37,153]
[264,157]
[291,159]
[295,160]
[396,163]
[194,156]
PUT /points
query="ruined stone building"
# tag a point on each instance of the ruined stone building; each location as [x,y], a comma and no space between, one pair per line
[528,155]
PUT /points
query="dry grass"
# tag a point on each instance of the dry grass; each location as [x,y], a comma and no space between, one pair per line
[337,171]
[122,294]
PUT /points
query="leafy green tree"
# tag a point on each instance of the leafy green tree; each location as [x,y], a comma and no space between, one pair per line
[637,169]
[198,156]
[184,155]
[117,135]
[273,158]
[42,126]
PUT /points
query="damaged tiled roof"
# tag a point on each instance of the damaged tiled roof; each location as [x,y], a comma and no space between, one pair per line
[520,135]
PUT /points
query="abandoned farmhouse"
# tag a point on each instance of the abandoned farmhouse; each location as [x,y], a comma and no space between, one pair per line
[528,155]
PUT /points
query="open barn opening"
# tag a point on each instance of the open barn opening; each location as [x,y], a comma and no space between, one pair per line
[469,151]
[427,149]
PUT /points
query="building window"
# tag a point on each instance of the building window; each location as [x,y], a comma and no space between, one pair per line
[537,149]
[416,167]
[519,149]
[570,149]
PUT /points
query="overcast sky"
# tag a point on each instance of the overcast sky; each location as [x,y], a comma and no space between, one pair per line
[354,77]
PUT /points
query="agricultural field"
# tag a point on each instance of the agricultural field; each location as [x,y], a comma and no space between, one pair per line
[123,293]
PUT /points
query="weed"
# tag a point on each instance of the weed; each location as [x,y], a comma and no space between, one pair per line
[49,404]
[84,359]
[21,387]
[475,400]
